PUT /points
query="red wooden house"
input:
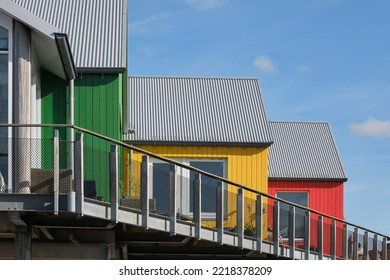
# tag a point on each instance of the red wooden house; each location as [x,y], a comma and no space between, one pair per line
[305,168]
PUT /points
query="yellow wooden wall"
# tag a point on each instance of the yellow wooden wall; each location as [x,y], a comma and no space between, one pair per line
[245,165]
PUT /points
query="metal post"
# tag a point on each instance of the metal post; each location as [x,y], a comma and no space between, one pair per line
[384,248]
[23,236]
[114,183]
[197,206]
[276,227]
[172,199]
[333,240]
[307,235]
[220,211]
[56,179]
[240,218]
[145,182]
[365,246]
[259,222]
[355,244]
[79,173]
[291,232]
[345,242]
[375,247]
[320,234]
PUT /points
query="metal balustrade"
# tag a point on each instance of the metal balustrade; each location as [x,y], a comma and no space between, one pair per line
[189,201]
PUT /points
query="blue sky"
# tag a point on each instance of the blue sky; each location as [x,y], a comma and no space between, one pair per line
[317,60]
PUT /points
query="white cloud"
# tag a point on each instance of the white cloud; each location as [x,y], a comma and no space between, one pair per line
[205,4]
[303,69]
[264,64]
[147,24]
[372,128]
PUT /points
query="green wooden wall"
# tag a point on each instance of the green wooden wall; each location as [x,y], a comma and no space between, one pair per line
[98,107]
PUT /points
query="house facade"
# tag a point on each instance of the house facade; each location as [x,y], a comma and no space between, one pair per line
[305,168]
[215,124]
[93,99]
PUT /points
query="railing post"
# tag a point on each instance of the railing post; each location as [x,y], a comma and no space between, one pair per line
[345,242]
[384,248]
[375,247]
[79,173]
[355,243]
[365,246]
[276,227]
[240,218]
[259,222]
[172,199]
[307,235]
[291,231]
[114,183]
[145,187]
[220,211]
[56,179]
[320,234]
[197,205]
[333,240]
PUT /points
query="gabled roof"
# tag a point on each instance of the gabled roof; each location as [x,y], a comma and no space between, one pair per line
[43,37]
[304,150]
[195,110]
[97,30]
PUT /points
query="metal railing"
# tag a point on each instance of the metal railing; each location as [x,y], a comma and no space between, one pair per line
[94,166]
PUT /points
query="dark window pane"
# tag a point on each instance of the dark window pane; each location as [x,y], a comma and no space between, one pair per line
[209,185]
[3,39]
[300,198]
[161,187]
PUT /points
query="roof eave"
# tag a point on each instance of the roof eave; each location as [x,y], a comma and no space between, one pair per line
[307,179]
[197,143]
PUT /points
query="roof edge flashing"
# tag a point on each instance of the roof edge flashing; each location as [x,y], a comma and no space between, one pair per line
[66,55]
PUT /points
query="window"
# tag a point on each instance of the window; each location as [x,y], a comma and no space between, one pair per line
[301,198]
[185,185]
[4,98]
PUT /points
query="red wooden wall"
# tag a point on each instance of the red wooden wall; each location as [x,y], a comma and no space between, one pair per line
[324,196]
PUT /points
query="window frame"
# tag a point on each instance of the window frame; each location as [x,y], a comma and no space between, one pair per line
[183,196]
[6,23]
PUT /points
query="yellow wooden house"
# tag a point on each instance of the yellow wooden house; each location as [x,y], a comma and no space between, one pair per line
[218,125]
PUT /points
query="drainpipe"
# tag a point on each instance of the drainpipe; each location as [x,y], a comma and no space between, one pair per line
[71,122]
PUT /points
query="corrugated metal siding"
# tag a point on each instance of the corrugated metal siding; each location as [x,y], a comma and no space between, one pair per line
[96,28]
[196,110]
[305,150]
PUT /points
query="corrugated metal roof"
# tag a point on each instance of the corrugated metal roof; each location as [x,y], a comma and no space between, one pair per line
[196,110]
[97,29]
[304,150]
[42,37]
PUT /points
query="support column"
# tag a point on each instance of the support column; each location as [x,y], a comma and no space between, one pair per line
[23,242]
[21,107]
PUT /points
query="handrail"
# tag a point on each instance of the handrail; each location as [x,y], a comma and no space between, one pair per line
[90,132]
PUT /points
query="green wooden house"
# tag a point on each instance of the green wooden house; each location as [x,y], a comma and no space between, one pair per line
[84,84]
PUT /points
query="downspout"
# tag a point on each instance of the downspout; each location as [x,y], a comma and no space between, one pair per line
[71,121]
[71,74]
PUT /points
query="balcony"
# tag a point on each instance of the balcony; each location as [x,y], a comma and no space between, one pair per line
[91,199]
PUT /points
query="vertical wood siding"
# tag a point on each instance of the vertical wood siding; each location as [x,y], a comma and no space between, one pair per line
[324,196]
[245,165]
[98,107]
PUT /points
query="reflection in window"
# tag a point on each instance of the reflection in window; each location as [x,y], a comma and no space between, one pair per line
[300,198]
[185,185]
